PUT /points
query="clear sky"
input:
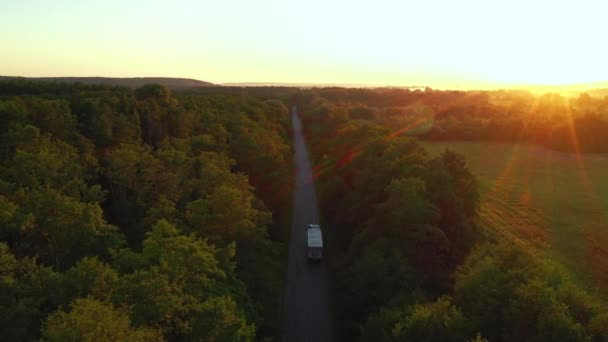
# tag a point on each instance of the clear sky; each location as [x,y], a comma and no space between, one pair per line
[436,43]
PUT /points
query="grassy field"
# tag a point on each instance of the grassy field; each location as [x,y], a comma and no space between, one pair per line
[551,202]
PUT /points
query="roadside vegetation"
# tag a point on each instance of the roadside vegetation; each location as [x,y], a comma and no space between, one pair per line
[414,260]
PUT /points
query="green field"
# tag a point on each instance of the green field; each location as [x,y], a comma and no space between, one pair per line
[554,203]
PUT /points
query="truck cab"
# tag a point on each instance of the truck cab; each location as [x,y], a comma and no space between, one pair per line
[314,242]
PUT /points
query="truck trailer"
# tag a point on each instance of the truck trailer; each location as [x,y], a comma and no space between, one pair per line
[314,242]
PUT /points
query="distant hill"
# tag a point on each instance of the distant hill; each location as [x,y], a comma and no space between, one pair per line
[131,82]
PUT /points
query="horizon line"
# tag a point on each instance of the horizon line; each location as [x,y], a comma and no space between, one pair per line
[469,86]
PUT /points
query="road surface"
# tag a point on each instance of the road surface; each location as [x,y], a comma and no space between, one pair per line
[306,316]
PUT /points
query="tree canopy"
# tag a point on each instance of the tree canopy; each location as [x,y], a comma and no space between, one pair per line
[141,214]
[409,260]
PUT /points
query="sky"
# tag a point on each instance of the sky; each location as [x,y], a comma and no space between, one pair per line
[458,43]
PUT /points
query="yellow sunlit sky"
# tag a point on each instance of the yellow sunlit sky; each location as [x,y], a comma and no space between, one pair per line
[460,43]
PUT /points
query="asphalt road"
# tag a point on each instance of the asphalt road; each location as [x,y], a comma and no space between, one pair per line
[306,316]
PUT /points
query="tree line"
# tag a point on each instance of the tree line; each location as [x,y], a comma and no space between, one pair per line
[408,259]
[571,124]
[141,214]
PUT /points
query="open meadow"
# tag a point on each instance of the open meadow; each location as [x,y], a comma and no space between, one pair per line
[548,201]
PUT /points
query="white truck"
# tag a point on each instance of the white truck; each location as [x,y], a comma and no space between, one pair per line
[314,242]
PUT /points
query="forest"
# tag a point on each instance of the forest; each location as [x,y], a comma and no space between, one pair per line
[409,259]
[140,214]
[143,214]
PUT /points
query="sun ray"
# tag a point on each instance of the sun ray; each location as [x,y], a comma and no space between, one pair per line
[503,178]
[418,122]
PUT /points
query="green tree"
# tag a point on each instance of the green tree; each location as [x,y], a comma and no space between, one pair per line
[436,321]
[28,292]
[91,278]
[92,320]
[63,230]
[218,320]
[179,275]
[454,191]
[40,163]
